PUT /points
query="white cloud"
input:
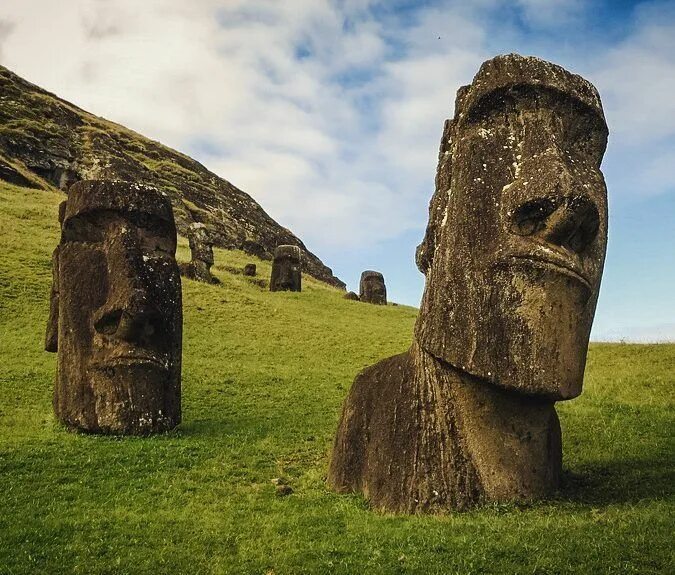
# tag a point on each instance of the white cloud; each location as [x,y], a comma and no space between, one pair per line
[327,115]
[549,13]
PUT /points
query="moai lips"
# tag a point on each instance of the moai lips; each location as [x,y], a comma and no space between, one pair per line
[372,288]
[286,269]
[116,311]
[513,257]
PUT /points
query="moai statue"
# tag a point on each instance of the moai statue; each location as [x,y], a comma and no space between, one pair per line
[249,270]
[350,295]
[116,311]
[201,248]
[286,269]
[513,256]
[372,288]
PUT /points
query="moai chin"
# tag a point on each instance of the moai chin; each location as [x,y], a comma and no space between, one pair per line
[201,249]
[372,288]
[513,256]
[286,269]
[116,311]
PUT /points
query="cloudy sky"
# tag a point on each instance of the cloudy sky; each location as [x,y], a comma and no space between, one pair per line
[329,113]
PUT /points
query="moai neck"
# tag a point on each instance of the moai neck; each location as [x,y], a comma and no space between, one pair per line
[513,440]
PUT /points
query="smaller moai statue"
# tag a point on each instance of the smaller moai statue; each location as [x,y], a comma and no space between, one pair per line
[372,288]
[201,248]
[249,270]
[115,317]
[286,269]
[350,295]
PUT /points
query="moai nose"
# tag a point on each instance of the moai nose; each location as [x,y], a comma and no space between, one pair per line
[128,314]
[573,224]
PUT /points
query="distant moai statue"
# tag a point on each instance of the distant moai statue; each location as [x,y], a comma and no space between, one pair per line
[115,312]
[286,269]
[201,248]
[249,270]
[350,295]
[372,288]
[513,257]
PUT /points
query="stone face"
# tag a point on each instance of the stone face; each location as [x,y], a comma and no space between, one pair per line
[350,295]
[201,248]
[249,270]
[513,257]
[372,288]
[286,269]
[116,311]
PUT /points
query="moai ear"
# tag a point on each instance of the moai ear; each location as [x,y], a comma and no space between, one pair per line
[425,251]
[52,335]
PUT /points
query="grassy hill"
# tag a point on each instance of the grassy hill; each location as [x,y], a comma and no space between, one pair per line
[48,143]
[264,376]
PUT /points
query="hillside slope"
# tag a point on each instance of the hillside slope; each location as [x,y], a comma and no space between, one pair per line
[264,376]
[46,142]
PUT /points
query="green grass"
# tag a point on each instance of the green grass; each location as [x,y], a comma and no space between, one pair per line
[264,376]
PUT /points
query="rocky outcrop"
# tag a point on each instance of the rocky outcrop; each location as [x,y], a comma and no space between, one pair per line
[48,142]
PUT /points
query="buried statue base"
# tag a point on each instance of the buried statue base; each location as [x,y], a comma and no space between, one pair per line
[513,257]
[417,435]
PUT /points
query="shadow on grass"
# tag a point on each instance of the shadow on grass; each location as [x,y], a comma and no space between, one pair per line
[624,481]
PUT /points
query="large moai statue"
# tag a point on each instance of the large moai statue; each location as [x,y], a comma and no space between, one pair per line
[201,249]
[513,256]
[286,269]
[116,311]
[372,288]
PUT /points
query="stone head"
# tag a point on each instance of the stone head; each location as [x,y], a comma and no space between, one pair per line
[372,288]
[116,317]
[201,243]
[515,245]
[286,269]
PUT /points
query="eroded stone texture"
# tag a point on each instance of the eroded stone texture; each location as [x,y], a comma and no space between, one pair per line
[513,257]
[116,311]
[201,249]
[249,270]
[286,269]
[350,295]
[372,288]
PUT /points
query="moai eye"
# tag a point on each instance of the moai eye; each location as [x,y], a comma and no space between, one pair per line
[530,217]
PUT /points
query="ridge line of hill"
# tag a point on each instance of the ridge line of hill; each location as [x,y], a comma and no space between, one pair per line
[47,142]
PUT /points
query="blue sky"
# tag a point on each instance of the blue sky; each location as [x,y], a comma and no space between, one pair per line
[329,113]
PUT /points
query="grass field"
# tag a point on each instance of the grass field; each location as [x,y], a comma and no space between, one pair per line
[264,376]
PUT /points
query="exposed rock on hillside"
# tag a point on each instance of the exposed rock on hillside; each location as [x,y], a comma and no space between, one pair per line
[48,142]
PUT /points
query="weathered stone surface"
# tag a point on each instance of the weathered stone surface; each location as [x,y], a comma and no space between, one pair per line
[286,269]
[60,143]
[372,288]
[513,257]
[249,270]
[201,248]
[116,311]
[351,296]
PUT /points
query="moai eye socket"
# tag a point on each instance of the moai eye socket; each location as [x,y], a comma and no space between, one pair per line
[530,217]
